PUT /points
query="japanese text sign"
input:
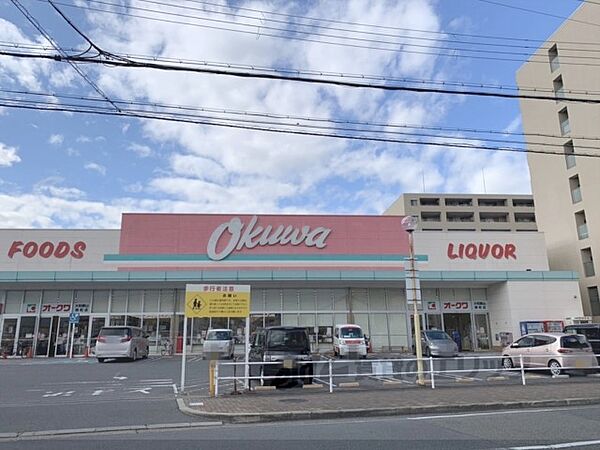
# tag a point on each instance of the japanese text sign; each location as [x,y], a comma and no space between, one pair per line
[216,300]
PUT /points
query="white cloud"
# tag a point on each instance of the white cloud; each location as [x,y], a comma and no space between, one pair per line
[8,155]
[52,187]
[143,151]
[514,125]
[95,167]
[56,139]
[83,139]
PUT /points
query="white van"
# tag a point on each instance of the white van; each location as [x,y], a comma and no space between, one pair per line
[348,339]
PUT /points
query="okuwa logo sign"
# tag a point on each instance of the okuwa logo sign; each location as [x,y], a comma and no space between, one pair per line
[236,235]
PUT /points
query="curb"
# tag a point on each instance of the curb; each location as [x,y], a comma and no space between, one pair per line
[99,430]
[374,412]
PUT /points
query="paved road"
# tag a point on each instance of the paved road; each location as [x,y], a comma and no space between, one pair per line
[529,429]
[60,393]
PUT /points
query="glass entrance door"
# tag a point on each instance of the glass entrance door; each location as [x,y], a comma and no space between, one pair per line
[458,326]
[62,336]
[43,336]
[482,332]
[26,333]
[9,332]
[80,336]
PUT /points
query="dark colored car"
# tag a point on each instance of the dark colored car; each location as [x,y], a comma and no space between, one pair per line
[592,333]
[289,347]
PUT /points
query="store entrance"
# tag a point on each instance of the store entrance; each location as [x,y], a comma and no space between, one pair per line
[458,326]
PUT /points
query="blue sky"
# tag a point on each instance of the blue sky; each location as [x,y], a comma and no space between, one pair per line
[76,170]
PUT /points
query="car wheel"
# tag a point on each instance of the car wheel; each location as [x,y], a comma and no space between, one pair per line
[555,368]
[134,354]
[507,363]
[101,360]
[147,352]
[307,371]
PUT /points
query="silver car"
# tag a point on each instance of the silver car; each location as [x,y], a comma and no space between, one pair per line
[219,342]
[557,352]
[438,343]
[121,342]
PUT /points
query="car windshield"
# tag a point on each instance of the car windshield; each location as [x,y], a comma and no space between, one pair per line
[287,339]
[437,335]
[573,342]
[114,332]
[218,336]
[351,333]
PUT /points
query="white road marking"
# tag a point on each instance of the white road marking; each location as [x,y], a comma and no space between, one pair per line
[175,388]
[143,391]
[98,392]
[156,380]
[493,413]
[51,394]
[196,404]
[552,446]
[324,382]
[119,378]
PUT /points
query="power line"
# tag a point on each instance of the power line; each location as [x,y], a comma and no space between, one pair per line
[320,41]
[58,48]
[407,39]
[127,62]
[384,27]
[246,125]
[309,119]
[543,13]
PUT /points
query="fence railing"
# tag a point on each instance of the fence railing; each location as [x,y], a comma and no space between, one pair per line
[329,371]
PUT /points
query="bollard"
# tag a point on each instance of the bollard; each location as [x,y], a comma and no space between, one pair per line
[522,369]
[330,377]
[216,375]
[211,378]
[431,369]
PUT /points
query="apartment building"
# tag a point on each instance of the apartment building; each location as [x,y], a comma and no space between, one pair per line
[467,212]
[566,188]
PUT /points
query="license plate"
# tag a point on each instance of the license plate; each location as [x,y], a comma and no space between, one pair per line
[288,363]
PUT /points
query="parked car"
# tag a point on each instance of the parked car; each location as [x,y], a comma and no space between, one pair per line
[591,331]
[121,342]
[559,352]
[437,343]
[219,342]
[289,347]
[349,340]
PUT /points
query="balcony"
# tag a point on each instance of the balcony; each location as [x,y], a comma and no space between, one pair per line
[491,202]
[522,203]
[429,201]
[524,217]
[460,217]
[459,202]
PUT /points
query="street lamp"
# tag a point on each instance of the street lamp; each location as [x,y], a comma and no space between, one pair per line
[409,223]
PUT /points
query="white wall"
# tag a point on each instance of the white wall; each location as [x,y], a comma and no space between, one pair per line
[97,244]
[512,302]
[530,250]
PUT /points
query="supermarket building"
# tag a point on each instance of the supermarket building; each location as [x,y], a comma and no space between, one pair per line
[309,270]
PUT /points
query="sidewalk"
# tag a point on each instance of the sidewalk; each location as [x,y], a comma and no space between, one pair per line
[298,404]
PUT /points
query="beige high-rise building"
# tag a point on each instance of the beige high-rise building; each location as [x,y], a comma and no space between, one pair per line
[566,188]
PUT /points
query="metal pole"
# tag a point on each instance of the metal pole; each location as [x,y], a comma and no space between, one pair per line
[417,322]
[330,377]
[216,379]
[183,356]
[72,328]
[522,369]
[247,354]
[431,369]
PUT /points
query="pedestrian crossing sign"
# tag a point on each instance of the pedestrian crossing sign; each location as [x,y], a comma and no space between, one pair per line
[216,300]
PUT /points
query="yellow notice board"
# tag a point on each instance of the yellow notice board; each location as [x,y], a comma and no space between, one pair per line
[217,300]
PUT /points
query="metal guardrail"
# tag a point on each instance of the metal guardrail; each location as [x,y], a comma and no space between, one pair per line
[520,364]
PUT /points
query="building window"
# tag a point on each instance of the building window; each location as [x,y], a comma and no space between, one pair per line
[459,202]
[522,202]
[581,223]
[525,217]
[575,189]
[563,118]
[559,88]
[493,217]
[430,217]
[460,217]
[594,300]
[553,58]
[414,202]
[491,202]
[429,201]
[569,154]
[588,262]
